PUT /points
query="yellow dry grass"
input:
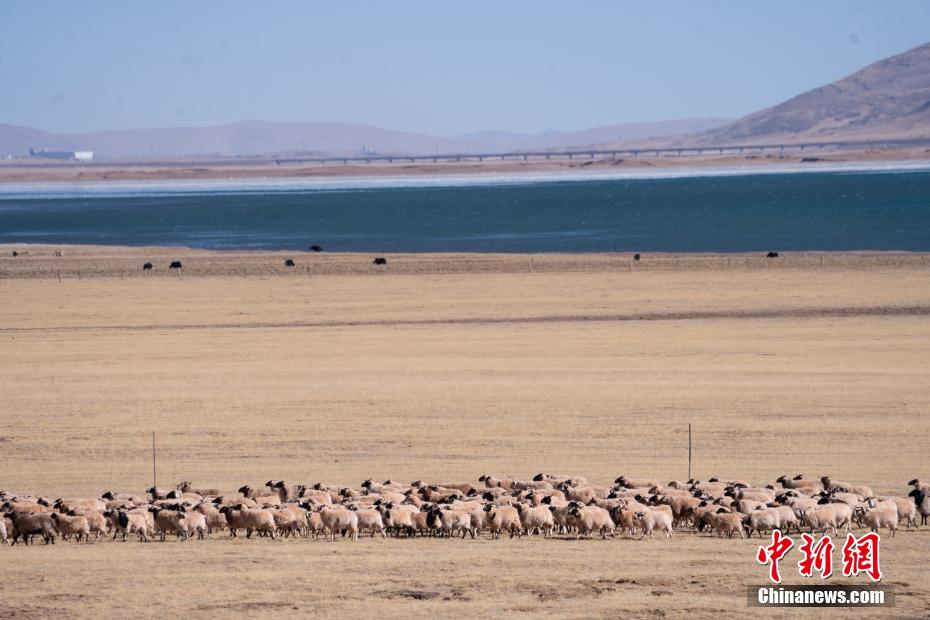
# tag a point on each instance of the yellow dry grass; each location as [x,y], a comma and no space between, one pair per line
[438,376]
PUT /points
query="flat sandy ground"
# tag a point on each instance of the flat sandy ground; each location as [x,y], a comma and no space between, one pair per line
[33,171]
[449,367]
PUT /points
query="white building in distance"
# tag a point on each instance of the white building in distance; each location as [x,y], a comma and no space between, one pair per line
[69,155]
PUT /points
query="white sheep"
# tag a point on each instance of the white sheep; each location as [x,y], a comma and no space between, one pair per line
[398,518]
[788,519]
[536,518]
[503,518]
[240,517]
[764,520]
[724,522]
[77,503]
[71,525]
[650,520]
[842,511]
[168,521]
[132,522]
[214,518]
[187,487]
[492,482]
[875,518]
[907,510]
[798,482]
[835,485]
[823,518]
[629,483]
[195,523]
[450,521]
[339,519]
[591,519]
[369,520]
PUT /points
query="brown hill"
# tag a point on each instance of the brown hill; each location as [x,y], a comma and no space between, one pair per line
[16,140]
[888,100]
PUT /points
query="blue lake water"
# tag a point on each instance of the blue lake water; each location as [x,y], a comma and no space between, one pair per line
[886,209]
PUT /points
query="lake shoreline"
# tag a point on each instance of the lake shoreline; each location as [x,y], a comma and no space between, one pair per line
[194,170]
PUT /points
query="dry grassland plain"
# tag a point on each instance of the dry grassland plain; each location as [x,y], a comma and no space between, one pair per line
[449,367]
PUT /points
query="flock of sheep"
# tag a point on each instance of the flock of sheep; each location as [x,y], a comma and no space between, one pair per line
[548,505]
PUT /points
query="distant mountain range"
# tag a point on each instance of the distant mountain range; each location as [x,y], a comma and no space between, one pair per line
[622,133]
[254,138]
[888,100]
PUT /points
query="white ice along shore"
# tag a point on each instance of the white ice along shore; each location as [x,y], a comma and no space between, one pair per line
[92,189]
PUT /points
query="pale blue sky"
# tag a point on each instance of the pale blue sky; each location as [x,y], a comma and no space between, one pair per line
[431,66]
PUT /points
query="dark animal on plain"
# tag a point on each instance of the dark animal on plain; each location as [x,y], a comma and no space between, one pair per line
[636,257]
[15,253]
[175,264]
[772,255]
[316,248]
[380,261]
[147,267]
[288,262]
